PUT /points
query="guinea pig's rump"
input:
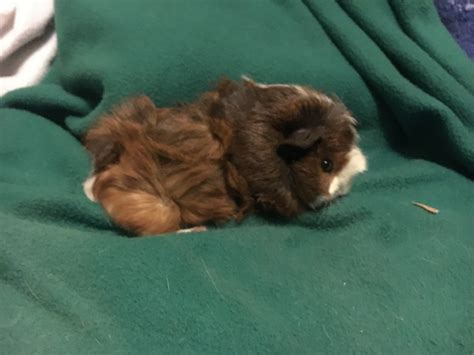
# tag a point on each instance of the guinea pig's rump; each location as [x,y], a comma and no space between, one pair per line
[170,173]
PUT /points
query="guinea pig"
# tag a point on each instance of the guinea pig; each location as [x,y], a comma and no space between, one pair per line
[242,147]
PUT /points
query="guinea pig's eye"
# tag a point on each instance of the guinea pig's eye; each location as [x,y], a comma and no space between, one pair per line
[326,165]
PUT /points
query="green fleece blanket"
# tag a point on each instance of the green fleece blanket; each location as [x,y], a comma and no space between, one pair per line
[370,274]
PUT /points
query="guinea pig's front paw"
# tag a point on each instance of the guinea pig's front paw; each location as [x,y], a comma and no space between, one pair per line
[193,230]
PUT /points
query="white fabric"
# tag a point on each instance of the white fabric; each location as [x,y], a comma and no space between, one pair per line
[27,42]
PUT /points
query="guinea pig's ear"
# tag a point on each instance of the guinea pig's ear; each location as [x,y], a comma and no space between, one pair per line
[105,150]
[298,143]
[225,87]
[303,138]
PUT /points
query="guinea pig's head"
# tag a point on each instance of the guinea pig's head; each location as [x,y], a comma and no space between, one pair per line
[296,147]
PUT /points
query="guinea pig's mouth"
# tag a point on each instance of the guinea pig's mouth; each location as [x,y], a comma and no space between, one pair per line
[324,201]
[321,202]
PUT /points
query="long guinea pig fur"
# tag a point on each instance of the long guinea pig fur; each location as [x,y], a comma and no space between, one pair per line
[244,146]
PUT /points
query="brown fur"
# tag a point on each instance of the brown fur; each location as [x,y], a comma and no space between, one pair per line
[161,169]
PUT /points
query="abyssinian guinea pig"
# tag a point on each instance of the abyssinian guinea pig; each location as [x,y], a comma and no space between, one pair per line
[244,146]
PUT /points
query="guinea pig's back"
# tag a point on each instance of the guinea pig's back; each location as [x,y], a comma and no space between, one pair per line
[191,150]
[188,138]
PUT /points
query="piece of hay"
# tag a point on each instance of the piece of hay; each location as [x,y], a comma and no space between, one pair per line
[426,207]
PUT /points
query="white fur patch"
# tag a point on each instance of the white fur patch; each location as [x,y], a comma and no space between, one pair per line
[188,230]
[299,89]
[88,186]
[351,119]
[192,230]
[334,186]
[356,164]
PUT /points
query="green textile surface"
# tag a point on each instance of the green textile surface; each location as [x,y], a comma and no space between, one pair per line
[370,274]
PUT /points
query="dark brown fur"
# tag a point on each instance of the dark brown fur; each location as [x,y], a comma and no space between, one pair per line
[161,169]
